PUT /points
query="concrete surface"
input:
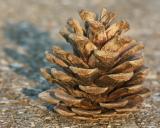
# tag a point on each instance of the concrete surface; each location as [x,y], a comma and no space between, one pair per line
[19,69]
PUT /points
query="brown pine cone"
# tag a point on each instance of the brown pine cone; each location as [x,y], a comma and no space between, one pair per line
[103,76]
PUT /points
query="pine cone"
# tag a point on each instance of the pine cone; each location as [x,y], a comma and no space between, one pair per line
[103,76]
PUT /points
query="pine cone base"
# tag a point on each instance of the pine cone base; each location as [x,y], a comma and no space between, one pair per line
[67,109]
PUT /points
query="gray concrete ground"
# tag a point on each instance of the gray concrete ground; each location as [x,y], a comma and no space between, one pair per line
[20,60]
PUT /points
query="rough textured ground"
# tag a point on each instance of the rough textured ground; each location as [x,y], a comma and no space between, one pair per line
[21,55]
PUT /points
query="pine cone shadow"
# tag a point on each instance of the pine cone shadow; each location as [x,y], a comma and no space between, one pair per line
[33,42]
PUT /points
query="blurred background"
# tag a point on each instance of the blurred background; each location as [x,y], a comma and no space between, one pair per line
[30,27]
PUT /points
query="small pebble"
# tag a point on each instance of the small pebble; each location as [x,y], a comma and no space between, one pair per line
[66,2]
[152,75]
[48,119]
[16,65]
[155,82]
[156,99]
[4,68]
[32,125]
[1,80]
